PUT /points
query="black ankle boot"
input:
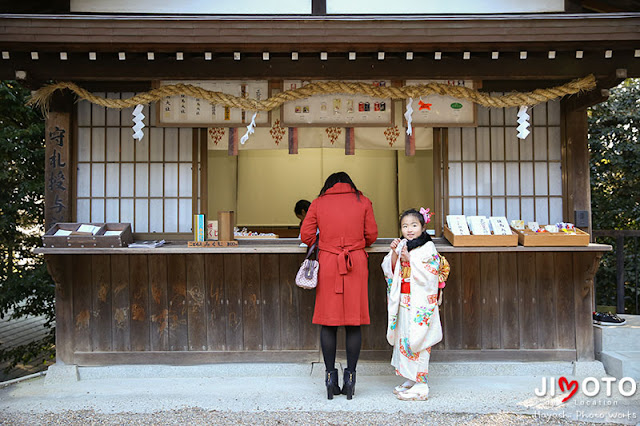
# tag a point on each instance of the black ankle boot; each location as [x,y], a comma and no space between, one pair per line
[331,380]
[349,383]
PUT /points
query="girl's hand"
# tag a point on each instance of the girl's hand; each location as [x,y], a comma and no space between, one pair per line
[394,244]
[404,254]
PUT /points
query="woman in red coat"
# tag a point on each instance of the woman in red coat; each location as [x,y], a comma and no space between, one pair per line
[345,219]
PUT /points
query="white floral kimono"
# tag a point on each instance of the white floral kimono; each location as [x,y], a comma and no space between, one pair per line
[413,319]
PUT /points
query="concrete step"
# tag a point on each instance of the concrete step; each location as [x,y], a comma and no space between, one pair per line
[617,338]
[621,364]
[70,373]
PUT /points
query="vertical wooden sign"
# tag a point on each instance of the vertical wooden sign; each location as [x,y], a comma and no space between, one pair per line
[57,192]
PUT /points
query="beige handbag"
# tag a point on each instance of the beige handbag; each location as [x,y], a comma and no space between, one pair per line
[307,276]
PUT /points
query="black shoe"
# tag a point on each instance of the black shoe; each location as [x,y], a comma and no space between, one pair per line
[331,380]
[349,383]
[607,319]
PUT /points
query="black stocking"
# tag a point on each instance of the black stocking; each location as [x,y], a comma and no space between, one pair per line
[354,341]
[328,344]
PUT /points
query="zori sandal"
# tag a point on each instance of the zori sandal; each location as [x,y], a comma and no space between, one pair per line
[403,387]
[419,392]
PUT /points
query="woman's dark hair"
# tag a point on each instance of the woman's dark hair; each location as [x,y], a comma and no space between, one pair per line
[301,205]
[412,212]
[339,177]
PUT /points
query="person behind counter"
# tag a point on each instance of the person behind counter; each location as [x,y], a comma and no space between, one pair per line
[345,219]
[301,208]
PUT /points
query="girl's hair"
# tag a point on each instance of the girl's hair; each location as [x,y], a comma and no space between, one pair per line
[301,205]
[339,177]
[412,212]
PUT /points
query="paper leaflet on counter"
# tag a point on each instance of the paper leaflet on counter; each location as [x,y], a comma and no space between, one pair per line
[87,229]
[147,244]
[500,225]
[457,224]
[479,225]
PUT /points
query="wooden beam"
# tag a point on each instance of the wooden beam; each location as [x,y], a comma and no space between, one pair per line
[137,68]
[309,33]
[318,7]
[600,93]
[437,180]
[204,171]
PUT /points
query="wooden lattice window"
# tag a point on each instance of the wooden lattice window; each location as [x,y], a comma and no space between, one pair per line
[491,172]
[148,183]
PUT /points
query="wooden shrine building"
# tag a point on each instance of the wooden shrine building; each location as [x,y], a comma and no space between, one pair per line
[184,305]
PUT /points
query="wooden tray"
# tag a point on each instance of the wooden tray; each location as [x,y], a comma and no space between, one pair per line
[481,240]
[74,240]
[527,237]
[87,240]
[122,240]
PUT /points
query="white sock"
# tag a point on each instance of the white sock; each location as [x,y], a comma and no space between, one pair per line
[420,388]
[406,385]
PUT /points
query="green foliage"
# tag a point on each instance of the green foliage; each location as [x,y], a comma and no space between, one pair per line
[25,285]
[614,130]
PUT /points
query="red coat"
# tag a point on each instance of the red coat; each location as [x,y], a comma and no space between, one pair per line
[346,226]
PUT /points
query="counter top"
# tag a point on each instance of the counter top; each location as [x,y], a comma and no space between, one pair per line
[292,245]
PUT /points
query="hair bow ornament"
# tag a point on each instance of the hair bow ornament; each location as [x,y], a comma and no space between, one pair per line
[426,214]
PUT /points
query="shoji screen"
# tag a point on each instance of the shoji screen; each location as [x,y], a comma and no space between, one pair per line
[147,183]
[492,172]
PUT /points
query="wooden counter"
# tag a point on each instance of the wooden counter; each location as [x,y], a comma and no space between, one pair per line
[179,305]
[292,245]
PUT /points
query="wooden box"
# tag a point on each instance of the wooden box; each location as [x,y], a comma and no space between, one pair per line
[527,237]
[49,239]
[122,239]
[480,240]
[80,240]
[226,223]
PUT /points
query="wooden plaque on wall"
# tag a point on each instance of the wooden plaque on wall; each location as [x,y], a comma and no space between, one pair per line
[337,110]
[443,111]
[182,110]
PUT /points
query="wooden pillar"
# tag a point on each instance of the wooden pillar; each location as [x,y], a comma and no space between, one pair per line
[585,266]
[60,269]
[438,206]
[576,160]
[58,148]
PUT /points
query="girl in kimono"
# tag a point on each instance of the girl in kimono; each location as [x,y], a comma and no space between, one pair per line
[415,275]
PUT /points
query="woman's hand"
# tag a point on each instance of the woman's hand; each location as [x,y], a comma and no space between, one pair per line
[394,244]
[404,254]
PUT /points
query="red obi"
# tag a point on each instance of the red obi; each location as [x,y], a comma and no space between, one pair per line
[405,284]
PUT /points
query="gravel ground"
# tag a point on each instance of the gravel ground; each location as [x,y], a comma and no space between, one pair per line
[283,395]
[196,416]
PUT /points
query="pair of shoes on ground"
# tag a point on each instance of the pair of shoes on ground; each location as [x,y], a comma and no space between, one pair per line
[349,383]
[410,391]
[608,318]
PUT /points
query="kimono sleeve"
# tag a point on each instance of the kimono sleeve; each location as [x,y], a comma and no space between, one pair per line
[387,270]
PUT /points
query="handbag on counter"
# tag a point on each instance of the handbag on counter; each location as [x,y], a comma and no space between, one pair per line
[307,276]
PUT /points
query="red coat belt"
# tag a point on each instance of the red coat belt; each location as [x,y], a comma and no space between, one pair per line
[345,264]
